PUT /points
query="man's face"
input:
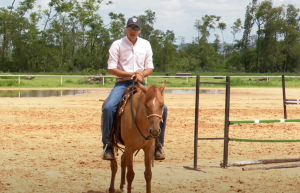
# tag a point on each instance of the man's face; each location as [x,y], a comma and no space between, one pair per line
[132,31]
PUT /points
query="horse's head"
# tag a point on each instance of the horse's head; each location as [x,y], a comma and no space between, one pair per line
[153,107]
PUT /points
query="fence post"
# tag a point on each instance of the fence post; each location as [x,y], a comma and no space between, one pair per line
[196,121]
[103,80]
[226,124]
[284,97]
[19,80]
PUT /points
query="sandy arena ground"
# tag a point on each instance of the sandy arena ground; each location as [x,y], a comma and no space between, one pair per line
[54,144]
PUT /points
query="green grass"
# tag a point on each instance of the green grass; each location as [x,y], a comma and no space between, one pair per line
[81,82]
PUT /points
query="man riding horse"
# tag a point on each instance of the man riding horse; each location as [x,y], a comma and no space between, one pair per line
[129,57]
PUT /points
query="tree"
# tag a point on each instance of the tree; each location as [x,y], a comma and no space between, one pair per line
[234,63]
[290,45]
[270,23]
[208,59]
[236,28]
[4,24]
[222,27]
[147,22]
[117,24]
[248,24]
[168,49]
[204,25]
[216,44]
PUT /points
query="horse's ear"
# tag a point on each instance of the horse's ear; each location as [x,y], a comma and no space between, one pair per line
[144,89]
[162,87]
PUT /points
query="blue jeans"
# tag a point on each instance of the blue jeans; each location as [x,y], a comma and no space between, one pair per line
[110,108]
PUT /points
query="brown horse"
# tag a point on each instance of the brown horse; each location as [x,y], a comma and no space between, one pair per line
[147,108]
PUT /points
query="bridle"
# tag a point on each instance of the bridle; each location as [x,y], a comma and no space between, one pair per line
[151,115]
[157,115]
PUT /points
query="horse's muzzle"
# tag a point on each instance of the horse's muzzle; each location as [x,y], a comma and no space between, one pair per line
[155,132]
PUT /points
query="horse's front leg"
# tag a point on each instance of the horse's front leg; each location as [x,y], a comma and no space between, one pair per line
[114,168]
[148,173]
[128,156]
[123,171]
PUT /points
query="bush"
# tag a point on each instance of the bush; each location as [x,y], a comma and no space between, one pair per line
[81,81]
[102,71]
[246,83]
[88,71]
[91,71]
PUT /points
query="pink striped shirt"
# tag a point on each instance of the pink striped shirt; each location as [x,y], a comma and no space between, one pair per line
[125,56]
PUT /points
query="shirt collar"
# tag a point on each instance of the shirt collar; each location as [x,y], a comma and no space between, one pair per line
[130,41]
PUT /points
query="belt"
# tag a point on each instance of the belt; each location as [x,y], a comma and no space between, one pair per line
[122,79]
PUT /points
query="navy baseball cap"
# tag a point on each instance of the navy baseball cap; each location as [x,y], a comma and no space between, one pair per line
[134,21]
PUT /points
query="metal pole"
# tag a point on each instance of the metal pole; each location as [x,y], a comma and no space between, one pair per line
[226,124]
[196,121]
[283,97]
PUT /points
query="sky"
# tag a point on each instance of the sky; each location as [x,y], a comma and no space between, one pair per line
[178,15]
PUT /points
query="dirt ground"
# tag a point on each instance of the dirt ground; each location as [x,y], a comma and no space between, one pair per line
[53,144]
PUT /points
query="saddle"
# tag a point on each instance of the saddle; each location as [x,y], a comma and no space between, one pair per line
[115,132]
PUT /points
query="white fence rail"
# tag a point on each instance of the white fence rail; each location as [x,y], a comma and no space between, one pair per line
[109,76]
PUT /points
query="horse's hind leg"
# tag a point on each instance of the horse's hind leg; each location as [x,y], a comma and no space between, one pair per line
[123,171]
[114,168]
[148,173]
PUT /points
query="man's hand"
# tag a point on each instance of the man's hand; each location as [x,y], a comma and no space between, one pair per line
[139,76]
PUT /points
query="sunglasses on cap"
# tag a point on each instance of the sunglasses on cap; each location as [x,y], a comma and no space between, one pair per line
[133,28]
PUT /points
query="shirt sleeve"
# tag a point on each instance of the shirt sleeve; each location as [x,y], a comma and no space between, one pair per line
[113,57]
[149,57]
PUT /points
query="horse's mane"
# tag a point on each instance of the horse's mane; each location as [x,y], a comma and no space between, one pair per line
[151,93]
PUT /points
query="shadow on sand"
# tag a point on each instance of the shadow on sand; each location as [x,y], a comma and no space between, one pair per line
[92,191]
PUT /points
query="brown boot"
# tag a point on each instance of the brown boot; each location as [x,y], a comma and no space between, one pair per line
[159,154]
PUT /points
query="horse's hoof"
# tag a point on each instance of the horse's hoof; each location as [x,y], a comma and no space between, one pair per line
[121,191]
[124,189]
[110,191]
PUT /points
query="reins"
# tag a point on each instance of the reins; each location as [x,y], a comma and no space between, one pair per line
[133,118]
